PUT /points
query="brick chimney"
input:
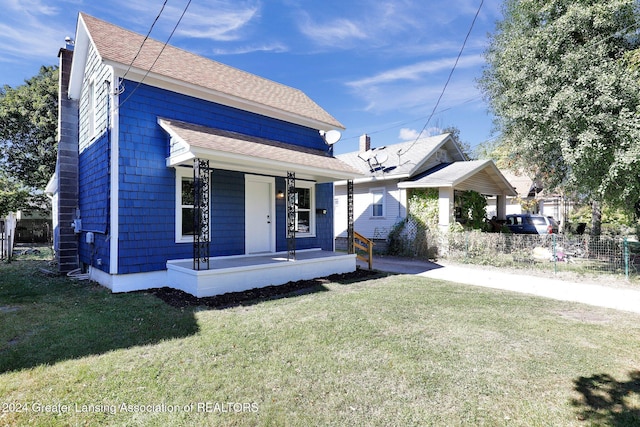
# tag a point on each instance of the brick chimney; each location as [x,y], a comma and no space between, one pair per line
[365,143]
[67,167]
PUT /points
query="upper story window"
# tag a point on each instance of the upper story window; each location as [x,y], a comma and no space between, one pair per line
[305,209]
[377,202]
[91,108]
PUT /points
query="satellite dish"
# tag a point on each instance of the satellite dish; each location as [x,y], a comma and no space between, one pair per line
[366,155]
[381,158]
[332,136]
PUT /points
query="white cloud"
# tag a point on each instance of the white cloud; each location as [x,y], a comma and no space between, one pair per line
[268,47]
[416,71]
[222,21]
[407,134]
[31,7]
[27,31]
[338,33]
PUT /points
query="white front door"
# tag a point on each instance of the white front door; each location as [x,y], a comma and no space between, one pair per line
[259,215]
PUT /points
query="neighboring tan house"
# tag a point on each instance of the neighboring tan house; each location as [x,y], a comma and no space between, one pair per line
[380,198]
[176,170]
[532,198]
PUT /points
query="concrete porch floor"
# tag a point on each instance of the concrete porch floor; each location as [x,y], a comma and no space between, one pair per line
[242,272]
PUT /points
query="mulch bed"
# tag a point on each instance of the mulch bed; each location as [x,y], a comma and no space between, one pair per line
[181,299]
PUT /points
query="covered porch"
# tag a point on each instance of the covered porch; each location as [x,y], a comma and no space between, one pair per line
[243,272]
[281,209]
[482,176]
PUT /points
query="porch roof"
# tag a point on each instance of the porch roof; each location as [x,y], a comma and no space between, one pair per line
[482,176]
[236,151]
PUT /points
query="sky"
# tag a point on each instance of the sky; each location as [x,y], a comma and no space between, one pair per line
[377,66]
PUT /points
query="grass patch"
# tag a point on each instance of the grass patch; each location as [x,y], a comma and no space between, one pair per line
[398,350]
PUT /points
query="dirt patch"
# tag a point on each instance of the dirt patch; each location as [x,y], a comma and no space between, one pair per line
[587,316]
[180,299]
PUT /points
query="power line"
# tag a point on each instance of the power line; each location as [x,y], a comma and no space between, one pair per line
[447,82]
[159,54]
[396,125]
[120,89]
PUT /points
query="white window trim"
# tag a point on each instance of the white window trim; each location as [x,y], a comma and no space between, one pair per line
[312,209]
[93,109]
[181,173]
[372,192]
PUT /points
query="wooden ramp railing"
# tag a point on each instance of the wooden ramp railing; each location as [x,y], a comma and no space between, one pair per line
[362,243]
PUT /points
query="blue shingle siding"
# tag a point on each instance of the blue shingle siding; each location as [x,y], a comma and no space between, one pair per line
[147,186]
[227,213]
[149,101]
[324,223]
[93,190]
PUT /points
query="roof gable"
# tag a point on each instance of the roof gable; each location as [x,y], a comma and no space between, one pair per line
[192,74]
[478,175]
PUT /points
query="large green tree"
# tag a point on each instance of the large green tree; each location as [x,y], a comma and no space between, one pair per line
[28,126]
[565,98]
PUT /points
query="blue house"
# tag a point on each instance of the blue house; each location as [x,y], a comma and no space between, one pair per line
[188,173]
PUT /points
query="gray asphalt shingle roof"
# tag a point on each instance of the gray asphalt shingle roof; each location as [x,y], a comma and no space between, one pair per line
[244,148]
[120,46]
[412,155]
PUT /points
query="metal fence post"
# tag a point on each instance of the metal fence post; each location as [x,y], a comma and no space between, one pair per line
[626,258]
[466,245]
[554,254]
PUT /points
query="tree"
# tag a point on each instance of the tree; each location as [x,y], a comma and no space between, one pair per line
[12,196]
[28,126]
[565,98]
[464,145]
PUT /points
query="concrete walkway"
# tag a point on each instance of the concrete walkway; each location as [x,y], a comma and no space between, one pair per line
[625,298]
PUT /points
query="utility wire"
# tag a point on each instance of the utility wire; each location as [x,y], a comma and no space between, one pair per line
[435,107]
[159,54]
[121,89]
[406,122]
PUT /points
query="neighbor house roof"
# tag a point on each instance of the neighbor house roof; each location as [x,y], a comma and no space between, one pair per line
[400,160]
[250,154]
[165,65]
[525,186]
[478,175]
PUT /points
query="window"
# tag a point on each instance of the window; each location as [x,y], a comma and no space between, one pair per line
[305,209]
[377,202]
[91,109]
[185,197]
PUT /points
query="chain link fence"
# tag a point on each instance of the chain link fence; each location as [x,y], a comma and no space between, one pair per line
[551,252]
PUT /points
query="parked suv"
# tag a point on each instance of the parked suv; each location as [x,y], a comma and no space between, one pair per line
[531,224]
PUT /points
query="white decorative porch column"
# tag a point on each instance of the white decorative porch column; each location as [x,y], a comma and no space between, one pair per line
[445,208]
[501,206]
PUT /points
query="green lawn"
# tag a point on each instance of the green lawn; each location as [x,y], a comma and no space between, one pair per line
[393,351]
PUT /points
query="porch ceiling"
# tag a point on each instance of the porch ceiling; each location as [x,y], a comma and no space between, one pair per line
[482,176]
[236,151]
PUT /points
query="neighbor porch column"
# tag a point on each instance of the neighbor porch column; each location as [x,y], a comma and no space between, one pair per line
[445,208]
[501,207]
